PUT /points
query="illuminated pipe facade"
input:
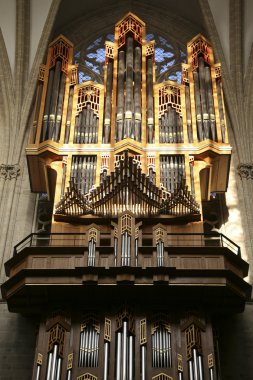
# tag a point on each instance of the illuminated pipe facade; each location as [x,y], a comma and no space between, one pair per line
[155,137]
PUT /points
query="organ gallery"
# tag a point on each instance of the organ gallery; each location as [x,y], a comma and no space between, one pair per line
[127,279]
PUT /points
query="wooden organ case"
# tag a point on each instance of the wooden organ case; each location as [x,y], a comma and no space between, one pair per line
[128,282]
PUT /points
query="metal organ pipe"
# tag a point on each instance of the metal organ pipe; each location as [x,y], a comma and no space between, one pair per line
[118,361]
[191,370]
[37,110]
[106,360]
[188,113]
[58,374]
[54,97]
[128,132]
[57,126]
[69,113]
[198,105]
[210,102]
[150,103]
[108,100]
[38,372]
[47,105]
[120,95]
[201,375]
[143,362]
[203,97]
[131,358]
[137,93]
[49,366]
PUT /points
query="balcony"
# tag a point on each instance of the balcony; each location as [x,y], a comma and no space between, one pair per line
[54,269]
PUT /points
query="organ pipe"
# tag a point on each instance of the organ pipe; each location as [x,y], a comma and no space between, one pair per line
[208,81]
[188,113]
[37,110]
[47,105]
[59,109]
[143,362]
[128,132]
[69,113]
[49,366]
[124,351]
[198,106]
[118,359]
[137,94]
[203,97]
[54,97]
[106,360]
[108,101]
[150,104]
[120,95]
[38,372]
[131,358]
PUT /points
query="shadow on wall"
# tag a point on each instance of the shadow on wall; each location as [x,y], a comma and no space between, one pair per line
[236,345]
[18,338]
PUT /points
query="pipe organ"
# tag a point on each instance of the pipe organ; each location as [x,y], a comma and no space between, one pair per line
[128,282]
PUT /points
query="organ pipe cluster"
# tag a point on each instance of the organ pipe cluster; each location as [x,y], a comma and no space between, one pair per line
[127,106]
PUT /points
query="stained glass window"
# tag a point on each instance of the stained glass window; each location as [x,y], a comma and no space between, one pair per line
[168,58]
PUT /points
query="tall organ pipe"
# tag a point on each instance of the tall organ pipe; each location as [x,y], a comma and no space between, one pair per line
[198,105]
[47,105]
[143,362]
[131,358]
[195,365]
[129,89]
[150,103]
[106,360]
[210,102]
[55,92]
[120,94]
[56,131]
[69,113]
[50,356]
[137,94]
[118,362]
[58,374]
[188,113]
[203,97]
[37,110]
[108,100]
